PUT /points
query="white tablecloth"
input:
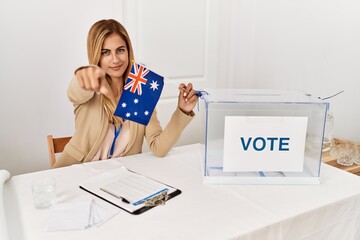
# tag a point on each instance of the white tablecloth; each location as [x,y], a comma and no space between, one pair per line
[4,176]
[330,210]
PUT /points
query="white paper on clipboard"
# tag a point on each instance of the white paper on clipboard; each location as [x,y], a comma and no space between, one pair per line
[126,189]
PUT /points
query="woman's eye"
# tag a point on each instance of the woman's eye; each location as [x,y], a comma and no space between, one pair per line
[104,53]
[120,50]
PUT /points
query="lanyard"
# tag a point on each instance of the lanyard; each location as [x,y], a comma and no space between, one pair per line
[116,134]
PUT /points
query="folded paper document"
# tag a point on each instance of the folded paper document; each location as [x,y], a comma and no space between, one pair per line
[130,191]
[78,215]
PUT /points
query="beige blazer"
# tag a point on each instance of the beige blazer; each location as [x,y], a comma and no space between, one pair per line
[91,124]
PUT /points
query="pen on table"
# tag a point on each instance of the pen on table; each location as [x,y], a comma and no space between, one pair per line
[115,195]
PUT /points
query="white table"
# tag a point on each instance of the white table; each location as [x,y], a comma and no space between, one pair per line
[330,210]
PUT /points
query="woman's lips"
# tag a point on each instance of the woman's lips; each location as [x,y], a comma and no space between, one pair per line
[116,68]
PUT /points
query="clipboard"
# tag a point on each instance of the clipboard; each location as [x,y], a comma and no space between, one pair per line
[128,190]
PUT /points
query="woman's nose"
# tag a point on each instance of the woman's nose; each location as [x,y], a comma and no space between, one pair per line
[115,58]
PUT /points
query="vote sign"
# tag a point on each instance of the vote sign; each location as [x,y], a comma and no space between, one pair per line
[262,143]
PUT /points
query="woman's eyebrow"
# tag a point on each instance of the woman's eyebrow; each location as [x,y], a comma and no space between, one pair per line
[105,49]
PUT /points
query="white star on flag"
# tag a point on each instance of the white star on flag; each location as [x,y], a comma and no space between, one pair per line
[146,113]
[154,85]
[123,105]
[136,100]
[128,114]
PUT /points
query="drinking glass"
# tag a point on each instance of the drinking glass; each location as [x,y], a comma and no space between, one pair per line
[345,152]
[328,132]
[356,157]
[44,193]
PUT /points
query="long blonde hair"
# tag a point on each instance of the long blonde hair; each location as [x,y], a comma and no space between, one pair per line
[96,37]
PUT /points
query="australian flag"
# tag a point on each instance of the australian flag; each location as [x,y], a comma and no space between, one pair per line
[141,92]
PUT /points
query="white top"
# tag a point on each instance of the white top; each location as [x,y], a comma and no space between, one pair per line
[121,142]
[329,210]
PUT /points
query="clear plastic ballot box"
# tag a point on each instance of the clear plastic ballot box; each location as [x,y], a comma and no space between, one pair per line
[261,136]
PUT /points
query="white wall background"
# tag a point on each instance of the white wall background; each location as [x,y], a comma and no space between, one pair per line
[41,44]
[308,45]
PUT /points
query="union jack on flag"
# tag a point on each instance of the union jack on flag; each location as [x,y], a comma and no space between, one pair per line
[137,78]
[141,93]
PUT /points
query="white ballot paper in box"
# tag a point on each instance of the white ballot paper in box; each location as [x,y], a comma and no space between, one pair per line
[130,191]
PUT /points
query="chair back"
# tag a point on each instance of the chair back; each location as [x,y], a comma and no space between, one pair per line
[56,145]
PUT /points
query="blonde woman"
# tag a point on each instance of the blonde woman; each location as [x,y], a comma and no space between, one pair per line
[95,90]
